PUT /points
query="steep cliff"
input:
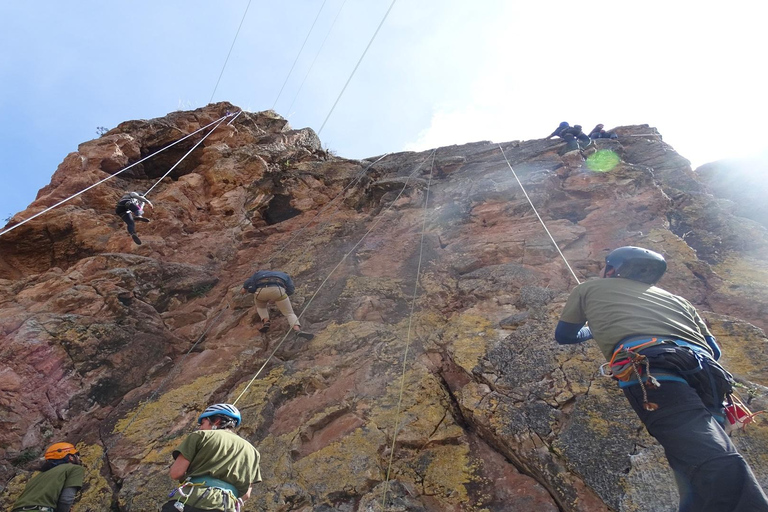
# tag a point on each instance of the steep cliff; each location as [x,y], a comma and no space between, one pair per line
[118,347]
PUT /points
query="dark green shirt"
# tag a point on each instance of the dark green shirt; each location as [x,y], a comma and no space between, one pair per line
[44,488]
[617,308]
[223,455]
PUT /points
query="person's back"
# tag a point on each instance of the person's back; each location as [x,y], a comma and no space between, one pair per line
[217,467]
[57,483]
[619,308]
[223,455]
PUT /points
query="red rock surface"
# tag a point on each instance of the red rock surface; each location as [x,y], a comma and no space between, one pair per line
[118,346]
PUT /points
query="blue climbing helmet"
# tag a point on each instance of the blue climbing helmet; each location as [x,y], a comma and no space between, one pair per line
[228,410]
[635,263]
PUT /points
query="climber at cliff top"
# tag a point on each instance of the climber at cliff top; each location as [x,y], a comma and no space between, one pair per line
[130,208]
[55,487]
[559,130]
[275,287]
[216,466]
[664,358]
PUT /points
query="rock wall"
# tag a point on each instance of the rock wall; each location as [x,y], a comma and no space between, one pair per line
[118,347]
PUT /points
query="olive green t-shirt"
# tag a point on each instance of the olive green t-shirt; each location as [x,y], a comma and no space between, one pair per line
[617,308]
[223,455]
[44,488]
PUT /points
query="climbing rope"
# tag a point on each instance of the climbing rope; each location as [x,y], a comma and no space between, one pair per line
[343,259]
[538,216]
[408,337]
[107,178]
[186,155]
[316,56]
[298,54]
[324,208]
[356,66]
[230,51]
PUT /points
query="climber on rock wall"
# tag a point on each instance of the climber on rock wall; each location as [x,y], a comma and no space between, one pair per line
[272,286]
[559,130]
[54,489]
[130,208]
[216,466]
[664,358]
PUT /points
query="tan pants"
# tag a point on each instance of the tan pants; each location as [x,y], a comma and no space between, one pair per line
[276,295]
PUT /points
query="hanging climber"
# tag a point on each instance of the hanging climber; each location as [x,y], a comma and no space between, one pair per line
[130,208]
[663,356]
[559,130]
[216,467]
[55,487]
[275,287]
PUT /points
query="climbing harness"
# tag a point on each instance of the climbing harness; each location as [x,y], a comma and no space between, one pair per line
[626,363]
[229,491]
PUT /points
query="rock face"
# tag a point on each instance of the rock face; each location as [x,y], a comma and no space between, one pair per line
[434,382]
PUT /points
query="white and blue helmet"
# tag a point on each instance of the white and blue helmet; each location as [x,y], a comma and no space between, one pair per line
[228,410]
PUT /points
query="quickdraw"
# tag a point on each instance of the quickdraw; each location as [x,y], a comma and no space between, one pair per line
[625,364]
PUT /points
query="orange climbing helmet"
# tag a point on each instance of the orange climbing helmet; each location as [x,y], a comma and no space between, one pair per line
[59,451]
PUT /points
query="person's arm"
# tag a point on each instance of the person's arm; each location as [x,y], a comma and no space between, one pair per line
[66,499]
[289,287]
[716,353]
[567,333]
[247,495]
[179,467]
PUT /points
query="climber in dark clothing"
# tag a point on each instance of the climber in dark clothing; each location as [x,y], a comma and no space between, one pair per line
[275,287]
[582,138]
[559,130]
[595,133]
[130,208]
[663,357]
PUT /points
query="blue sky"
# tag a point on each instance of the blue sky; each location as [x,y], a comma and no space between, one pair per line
[440,72]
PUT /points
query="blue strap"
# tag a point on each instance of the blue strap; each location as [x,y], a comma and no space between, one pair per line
[209,481]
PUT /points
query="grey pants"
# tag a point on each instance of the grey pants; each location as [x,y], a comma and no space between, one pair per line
[276,295]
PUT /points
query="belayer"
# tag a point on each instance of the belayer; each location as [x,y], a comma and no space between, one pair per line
[130,208]
[664,358]
[275,287]
[216,467]
[54,489]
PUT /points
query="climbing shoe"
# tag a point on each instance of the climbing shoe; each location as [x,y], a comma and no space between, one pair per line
[142,219]
[264,327]
[136,239]
[305,335]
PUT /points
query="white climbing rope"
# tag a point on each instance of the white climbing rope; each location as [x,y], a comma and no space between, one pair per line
[538,216]
[343,259]
[230,50]
[298,54]
[356,66]
[320,49]
[186,154]
[107,178]
[324,208]
[408,337]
